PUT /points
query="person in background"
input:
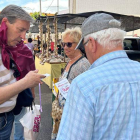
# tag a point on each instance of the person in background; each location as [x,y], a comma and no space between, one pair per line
[17,69]
[104,102]
[52,46]
[35,49]
[77,64]
[45,45]
[30,45]
[59,46]
[38,43]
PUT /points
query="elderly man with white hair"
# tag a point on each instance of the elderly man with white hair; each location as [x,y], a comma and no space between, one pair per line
[103,103]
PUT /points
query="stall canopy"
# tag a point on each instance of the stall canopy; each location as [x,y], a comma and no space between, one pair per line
[129,23]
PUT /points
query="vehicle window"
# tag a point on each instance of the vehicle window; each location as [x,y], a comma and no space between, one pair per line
[130,44]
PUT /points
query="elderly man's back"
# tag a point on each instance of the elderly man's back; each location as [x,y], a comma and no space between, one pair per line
[104,102]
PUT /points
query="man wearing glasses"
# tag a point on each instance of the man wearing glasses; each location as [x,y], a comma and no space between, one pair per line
[15,63]
[103,103]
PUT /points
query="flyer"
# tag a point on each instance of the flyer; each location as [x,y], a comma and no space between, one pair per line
[63,87]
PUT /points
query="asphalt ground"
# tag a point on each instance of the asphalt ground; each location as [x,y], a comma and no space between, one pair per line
[46,120]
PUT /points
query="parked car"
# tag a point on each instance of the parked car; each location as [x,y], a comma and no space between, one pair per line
[132,47]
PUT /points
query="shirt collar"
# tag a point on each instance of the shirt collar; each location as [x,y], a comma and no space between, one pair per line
[108,57]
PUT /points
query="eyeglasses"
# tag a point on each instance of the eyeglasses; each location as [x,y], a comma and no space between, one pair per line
[68,44]
[14,67]
[85,43]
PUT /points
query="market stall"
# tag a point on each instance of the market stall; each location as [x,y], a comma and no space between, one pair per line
[64,21]
[58,23]
[53,69]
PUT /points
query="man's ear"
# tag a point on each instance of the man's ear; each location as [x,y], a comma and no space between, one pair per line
[93,43]
[4,19]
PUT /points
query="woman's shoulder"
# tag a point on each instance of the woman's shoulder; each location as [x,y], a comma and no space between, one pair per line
[82,63]
[84,60]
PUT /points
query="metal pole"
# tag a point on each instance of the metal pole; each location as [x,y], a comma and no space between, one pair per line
[74,7]
[69,6]
[40,7]
[57,6]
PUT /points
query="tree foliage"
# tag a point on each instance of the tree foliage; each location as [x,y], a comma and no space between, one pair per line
[35,15]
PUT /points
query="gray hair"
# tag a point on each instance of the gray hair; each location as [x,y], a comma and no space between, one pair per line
[13,12]
[108,38]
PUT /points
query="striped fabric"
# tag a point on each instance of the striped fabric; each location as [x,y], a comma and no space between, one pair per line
[6,78]
[103,103]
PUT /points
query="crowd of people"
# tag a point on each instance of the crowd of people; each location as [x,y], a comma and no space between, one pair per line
[103,102]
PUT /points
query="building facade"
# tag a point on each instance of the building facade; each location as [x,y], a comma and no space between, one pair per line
[127,7]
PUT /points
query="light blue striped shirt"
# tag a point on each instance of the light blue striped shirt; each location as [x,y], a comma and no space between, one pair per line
[103,103]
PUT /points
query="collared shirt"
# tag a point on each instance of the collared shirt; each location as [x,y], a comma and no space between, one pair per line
[103,103]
